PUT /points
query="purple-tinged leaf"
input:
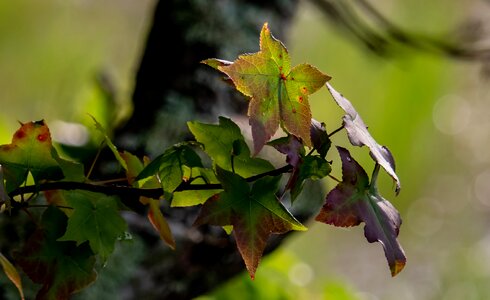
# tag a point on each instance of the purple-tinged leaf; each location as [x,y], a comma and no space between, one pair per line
[292,147]
[359,136]
[355,200]
[319,137]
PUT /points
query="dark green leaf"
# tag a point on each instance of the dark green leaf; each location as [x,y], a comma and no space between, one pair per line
[95,219]
[312,167]
[170,167]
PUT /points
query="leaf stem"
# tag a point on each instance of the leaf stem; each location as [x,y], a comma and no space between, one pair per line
[334,178]
[336,130]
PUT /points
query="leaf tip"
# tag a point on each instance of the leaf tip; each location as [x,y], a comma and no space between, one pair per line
[397,267]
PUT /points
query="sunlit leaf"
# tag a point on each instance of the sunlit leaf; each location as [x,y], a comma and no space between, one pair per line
[12,274]
[62,268]
[222,142]
[355,200]
[170,167]
[31,150]
[254,212]
[110,144]
[279,93]
[359,136]
[95,219]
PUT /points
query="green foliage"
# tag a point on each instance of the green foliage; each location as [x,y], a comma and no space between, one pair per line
[239,192]
[226,146]
[94,211]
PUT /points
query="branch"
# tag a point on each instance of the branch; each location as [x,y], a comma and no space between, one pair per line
[120,190]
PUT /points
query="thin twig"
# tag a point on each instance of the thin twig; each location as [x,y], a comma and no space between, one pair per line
[128,191]
[334,178]
[336,130]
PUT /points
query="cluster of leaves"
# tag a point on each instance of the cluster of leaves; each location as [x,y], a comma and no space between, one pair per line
[238,191]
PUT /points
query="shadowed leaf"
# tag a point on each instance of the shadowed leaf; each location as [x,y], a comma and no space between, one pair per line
[12,274]
[355,200]
[95,219]
[62,268]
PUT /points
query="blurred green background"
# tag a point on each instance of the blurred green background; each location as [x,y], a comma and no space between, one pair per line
[432,112]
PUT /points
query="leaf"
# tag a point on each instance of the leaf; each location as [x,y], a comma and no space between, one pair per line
[216,63]
[311,167]
[359,136]
[304,167]
[95,219]
[195,197]
[319,138]
[62,268]
[223,141]
[109,143]
[4,197]
[355,200]
[279,94]
[170,167]
[155,216]
[12,274]
[255,214]
[31,150]
[160,224]
[292,147]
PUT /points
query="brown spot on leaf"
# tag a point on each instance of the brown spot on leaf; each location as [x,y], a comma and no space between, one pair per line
[283,77]
[300,99]
[19,134]
[304,90]
[294,110]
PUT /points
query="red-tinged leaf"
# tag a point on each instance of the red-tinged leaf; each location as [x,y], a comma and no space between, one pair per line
[355,200]
[31,150]
[359,136]
[255,214]
[62,268]
[12,274]
[279,93]
[160,224]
